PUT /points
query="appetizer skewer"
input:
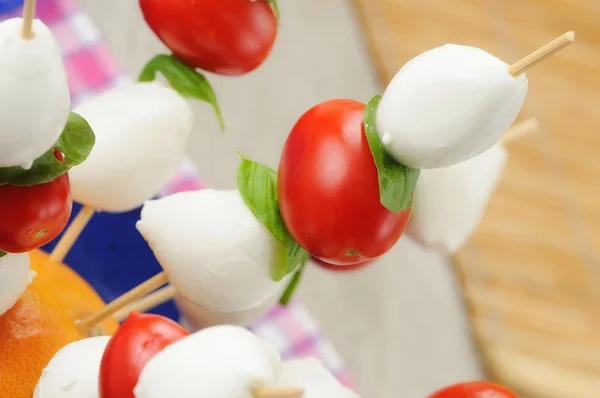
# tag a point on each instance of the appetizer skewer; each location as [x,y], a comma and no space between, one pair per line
[296,169]
[453,102]
[241,365]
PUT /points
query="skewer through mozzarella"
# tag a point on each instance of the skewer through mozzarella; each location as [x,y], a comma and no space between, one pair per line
[34,95]
[448,105]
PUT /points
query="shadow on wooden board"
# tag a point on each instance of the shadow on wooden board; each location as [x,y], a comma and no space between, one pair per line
[531,273]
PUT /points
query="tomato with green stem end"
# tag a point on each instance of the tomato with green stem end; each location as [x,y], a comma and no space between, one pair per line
[33,215]
[474,389]
[328,187]
[227,37]
[138,339]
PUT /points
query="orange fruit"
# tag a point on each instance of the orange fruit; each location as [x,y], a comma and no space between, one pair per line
[42,322]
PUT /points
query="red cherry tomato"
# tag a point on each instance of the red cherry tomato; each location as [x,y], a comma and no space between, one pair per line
[138,339]
[328,187]
[228,37]
[340,268]
[32,216]
[474,389]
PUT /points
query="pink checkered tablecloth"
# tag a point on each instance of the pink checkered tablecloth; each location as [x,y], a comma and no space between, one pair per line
[91,69]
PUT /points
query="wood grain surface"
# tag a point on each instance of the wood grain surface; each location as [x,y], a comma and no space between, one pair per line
[531,273]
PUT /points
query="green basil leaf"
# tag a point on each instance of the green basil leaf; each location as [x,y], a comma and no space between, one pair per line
[291,287]
[184,79]
[257,184]
[396,182]
[2,254]
[275,6]
[75,143]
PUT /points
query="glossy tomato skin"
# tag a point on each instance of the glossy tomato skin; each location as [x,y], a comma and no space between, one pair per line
[328,187]
[228,37]
[32,216]
[474,389]
[138,339]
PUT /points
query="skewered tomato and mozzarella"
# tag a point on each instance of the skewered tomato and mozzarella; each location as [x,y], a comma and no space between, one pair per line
[232,360]
[138,339]
[328,187]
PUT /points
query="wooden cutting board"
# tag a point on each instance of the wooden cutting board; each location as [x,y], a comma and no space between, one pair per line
[531,273]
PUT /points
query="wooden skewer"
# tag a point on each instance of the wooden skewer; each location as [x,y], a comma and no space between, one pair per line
[71,234]
[124,300]
[28,17]
[146,303]
[541,54]
[528,126]
[278,392]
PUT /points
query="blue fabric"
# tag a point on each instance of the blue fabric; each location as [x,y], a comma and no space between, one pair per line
[10,5]
[113,257]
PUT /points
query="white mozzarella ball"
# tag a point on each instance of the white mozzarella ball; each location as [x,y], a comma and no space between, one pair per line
[214,250]
[314,378]
[450,202]
[15,276]
[448,105]
[34,95]
[218,362]
[141,135]
[74,371]
[195,317]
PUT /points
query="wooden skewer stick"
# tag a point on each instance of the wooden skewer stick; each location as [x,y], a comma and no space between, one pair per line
[528,126]
[147,303]
[124,300]
[28,17]
[541,54]
[71,234]
[278,392]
